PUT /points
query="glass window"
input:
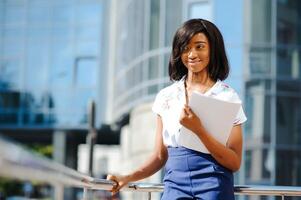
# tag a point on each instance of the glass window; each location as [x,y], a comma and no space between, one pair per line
[9,74]
[87,48]
[88,13]
[259,165]
[61,34]
[261,21]
[288,26]
[288,167]
[13,47]
[153,68]
[36,65]
[200,9]
[62,13]
[86,73]
[289,63]
[260,61]
[154,24]
[38,14]
[172,21]
[14,14]
[87,33]
[258,111]
[288,120]
[61,64]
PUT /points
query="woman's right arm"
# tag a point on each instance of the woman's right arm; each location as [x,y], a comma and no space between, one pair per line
[151,166]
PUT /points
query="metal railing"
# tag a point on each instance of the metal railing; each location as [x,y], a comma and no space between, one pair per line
[17,162]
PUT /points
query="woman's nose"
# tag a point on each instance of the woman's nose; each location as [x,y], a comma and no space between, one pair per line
[192,54]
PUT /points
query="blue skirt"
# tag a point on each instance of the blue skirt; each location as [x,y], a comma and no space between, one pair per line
[194,175]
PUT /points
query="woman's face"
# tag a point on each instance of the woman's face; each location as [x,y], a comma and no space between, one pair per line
[196,54]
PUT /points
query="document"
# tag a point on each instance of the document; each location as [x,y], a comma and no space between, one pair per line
[217,116]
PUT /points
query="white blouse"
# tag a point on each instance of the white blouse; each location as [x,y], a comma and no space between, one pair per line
[170,101]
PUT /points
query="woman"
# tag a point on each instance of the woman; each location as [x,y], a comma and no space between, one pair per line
[198,62]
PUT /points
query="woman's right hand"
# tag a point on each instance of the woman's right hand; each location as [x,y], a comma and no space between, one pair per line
[120,182]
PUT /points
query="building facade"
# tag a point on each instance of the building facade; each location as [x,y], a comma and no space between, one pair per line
[51,61]
[272,90]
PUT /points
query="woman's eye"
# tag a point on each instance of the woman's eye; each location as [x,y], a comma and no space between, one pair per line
[186,49]
[200,46]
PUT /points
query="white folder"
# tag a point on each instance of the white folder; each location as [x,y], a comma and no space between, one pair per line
[217,117]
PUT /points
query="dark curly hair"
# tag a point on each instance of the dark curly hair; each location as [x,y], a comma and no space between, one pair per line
[218,67]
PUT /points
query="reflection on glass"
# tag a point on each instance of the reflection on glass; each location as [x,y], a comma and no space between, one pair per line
[154,24]
[259,165]
[14,13]
[288,168]
[36,65]
[288,26]
[86,72]
[260,61]
[200,10]
[288,120]
[172,21]
[9,74]
[88,12]
[258,109]
[289,63]
[153,68]
[261,21]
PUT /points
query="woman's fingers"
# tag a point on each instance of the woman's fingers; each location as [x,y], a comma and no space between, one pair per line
[115,179]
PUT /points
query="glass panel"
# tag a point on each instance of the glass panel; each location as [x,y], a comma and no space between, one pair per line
[38,14]
[261,21]
[14,14]
[86,73]
[61,64]
[288,120]
[258,111]
[61,34]
[36,66]
[260,61]
[153,89]
[165,67]
[289,63]
[9,100]
[172,21]
[88,13]
[200,10]
[87,33]
[288,26]
[288,167]
[9,74]
[62,13]
[153,68]
[154,24]
[87,48]
[259,165]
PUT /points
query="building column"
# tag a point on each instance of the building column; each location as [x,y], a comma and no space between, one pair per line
[59,154]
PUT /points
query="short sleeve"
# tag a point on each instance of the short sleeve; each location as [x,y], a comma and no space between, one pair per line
[240,117]
[157,105]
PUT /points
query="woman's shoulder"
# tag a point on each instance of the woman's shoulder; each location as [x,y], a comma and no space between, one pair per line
[171,89]
[225,92]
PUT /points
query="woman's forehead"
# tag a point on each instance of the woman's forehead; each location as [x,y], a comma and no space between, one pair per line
[199,37]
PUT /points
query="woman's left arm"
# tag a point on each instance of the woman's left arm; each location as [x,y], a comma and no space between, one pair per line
[228,155]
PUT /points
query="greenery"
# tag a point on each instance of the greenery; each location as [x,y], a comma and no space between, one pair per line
[9,187]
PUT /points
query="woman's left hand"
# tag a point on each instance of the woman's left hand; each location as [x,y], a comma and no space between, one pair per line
[189,119]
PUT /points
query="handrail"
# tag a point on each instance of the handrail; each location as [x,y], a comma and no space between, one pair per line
[17,162]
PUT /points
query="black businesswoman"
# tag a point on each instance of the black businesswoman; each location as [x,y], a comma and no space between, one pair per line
[198,63]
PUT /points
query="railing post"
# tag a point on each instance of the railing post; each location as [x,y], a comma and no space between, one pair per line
[149,196]
[85,194]
[282,197]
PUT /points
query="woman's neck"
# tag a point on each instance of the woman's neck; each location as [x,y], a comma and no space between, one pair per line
[198,79]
